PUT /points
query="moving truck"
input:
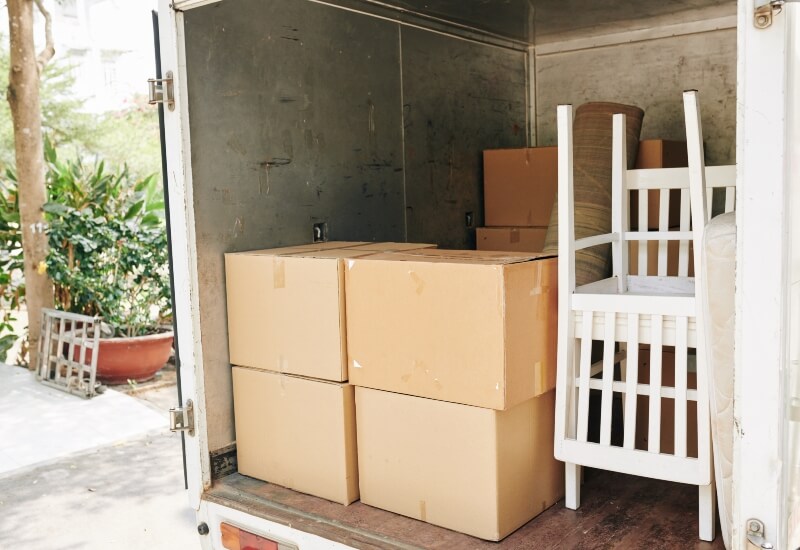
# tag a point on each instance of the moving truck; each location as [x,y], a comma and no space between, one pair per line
[287,121]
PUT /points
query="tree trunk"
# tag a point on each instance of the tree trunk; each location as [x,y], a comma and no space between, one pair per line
[23,97]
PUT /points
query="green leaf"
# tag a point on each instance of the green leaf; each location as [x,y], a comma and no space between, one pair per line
[133,210]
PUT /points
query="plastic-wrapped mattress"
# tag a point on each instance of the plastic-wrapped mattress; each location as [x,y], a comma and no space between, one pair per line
[719,264]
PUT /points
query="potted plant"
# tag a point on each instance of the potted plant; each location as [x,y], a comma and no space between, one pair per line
[108,258]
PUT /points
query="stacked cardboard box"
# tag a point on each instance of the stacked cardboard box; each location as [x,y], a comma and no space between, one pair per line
[453,357]
[519,189]
[292,402]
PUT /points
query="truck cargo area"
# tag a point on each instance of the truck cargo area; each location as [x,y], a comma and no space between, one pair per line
[359,120]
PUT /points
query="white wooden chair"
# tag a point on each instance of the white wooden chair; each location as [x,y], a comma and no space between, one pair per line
[624,311]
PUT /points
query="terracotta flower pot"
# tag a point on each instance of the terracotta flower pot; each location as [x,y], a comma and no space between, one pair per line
[137,358]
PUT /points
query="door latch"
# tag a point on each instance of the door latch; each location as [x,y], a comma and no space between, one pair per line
[161,90]
[181,419]
[755,535]
[762,15]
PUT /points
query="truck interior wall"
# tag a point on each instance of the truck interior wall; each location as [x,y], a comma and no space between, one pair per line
[703,61]
[302,113]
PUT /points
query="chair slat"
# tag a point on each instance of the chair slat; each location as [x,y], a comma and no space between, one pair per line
[585,374]
[631,381]
[667,392]
[730,199]
[683,247]
[642,227]
[678,178]
[681,369]
[608,379]
[654,430]
[663,226]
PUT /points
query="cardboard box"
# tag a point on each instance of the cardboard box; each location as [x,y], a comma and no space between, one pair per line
[652,258]
[472,327]
[659,153]
[478,471]
[667,405]
[296,432]
[286,307]
[511,239]
[519,186]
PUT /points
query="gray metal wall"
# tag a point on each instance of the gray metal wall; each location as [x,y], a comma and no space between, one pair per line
[651,75]
[302,113]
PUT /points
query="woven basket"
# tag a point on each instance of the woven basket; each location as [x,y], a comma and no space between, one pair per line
[592,183]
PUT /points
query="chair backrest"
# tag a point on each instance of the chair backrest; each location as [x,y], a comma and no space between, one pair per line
[657,246]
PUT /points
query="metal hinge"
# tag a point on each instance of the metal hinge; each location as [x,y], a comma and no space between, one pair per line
[762,15]
[181,419]
[755,535]
[160,90]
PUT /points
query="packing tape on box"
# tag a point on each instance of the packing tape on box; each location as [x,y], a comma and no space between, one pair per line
[513,236]
[278,273]
[423,510]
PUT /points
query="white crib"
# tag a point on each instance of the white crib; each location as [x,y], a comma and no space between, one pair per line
[624,311]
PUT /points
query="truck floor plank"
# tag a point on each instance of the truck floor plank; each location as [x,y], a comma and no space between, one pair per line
[617,511]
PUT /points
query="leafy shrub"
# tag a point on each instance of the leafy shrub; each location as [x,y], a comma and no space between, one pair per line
[108,245]
[12,289]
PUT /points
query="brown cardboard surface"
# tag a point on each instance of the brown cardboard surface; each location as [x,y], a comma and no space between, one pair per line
[659,153]
[511,239]
[652,258]
[519,186]
[474,470]
[667,405]
[392,247]
[296,432]
[477,328]
[286,307]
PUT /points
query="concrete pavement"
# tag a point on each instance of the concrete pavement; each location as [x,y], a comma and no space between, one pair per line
[123,492]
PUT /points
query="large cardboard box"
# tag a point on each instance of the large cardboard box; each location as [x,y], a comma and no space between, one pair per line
[286,307]
[472,327]
[673,249]
[659,153]
[511,239]
[296,432]
[667,439]
[519,186]
[474,470]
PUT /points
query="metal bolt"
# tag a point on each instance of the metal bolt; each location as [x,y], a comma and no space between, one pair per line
[754,527]
[762,20]
[202,528]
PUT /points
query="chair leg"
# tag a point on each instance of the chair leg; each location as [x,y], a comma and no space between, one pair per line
[572,498]
[708,509]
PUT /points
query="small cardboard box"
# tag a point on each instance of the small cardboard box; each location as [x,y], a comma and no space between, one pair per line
[511,239]
[478,471]
[519,186]
[652,258]
[667,439]
[659,153]
[471,327]
[296,432]
[286,307]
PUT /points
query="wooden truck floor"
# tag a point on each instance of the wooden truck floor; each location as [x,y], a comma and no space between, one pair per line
[617,511]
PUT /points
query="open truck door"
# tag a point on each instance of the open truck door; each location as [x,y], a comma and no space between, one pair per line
[765,460]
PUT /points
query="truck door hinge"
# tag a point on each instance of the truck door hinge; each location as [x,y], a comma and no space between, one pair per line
[181,419]
[161,90]
[755,535]
[763,14]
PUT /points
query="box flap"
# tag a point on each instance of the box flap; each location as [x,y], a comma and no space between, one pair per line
[476,257]
[298,249]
